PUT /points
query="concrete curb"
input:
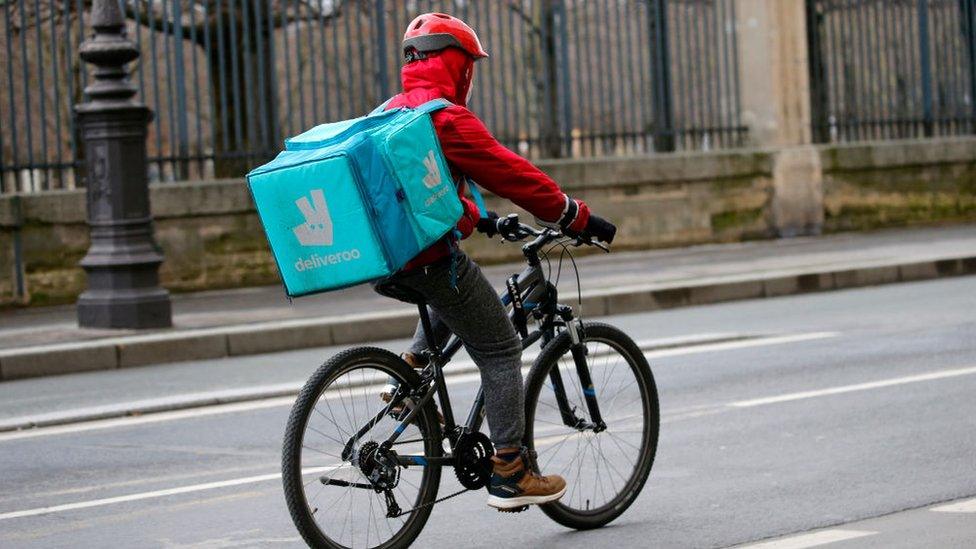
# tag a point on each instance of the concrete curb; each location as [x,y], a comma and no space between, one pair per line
[267,337]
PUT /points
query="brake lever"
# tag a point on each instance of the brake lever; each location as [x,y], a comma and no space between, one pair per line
[580,240]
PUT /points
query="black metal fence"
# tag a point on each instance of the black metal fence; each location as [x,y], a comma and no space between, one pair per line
[885,69]
[228,79]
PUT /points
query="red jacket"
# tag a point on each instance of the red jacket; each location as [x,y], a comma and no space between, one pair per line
[471,150]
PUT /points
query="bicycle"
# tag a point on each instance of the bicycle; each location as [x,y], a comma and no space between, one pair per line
[367,458]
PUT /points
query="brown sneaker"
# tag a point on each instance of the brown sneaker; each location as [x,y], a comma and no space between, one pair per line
[513,486]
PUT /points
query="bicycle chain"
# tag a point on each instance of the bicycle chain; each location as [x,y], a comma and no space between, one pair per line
[419,507]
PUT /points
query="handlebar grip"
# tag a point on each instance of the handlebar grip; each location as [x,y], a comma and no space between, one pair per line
[601,229]
[488,225]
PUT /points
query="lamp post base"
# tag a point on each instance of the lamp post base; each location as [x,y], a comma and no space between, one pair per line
[123,259]
[137,310]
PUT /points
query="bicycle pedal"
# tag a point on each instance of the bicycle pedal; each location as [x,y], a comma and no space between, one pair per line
[514,509]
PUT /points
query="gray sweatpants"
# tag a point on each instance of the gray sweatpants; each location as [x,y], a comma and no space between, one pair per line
[474,312]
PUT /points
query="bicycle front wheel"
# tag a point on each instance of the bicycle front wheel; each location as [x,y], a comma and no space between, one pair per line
[338,481]
[605,469]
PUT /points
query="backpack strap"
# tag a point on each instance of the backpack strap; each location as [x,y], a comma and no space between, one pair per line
[381,108]
[433,105]
[428,107]
[436,105]
[476,195]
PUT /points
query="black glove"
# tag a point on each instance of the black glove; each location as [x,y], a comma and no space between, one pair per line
[600,229]
[488,224]
[492,225]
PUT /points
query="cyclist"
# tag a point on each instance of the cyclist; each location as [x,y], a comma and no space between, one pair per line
[440,53]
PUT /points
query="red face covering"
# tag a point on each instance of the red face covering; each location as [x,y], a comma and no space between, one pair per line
[448,71]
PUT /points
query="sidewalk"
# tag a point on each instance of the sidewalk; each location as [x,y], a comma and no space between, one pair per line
[44,341]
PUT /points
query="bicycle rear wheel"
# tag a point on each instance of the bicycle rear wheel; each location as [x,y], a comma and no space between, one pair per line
[328,479]
[604,470]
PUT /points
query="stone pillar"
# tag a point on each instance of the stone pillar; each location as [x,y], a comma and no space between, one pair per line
[774,76]
[774,87]
[123,261]
[797,203]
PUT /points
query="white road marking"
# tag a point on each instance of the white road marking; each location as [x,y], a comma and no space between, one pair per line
[215,401]
[148,418]
[137,483]
[815,539]
[475,377]
[795,542]
[155,494]
[452,380]
[942,374]
[193,488]
[743,344]
[693,344]
[968,506]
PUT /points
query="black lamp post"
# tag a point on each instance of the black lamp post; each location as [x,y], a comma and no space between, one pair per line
[123,261]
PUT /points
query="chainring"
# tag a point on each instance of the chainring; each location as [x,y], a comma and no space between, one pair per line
[472,460]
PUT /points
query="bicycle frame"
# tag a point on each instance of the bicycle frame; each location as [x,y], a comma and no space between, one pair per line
[527,293]
[387,460]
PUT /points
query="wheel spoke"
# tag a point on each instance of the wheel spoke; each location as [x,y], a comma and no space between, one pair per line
[332,419]
[323,452]
[330,437]
[346,403]
[601,474]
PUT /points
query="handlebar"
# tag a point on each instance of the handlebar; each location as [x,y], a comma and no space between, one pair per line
[512,230]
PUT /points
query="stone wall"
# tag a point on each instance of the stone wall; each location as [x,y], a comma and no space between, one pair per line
[9,220]
[661,201]
[213,239]
[53,237]
[898,183]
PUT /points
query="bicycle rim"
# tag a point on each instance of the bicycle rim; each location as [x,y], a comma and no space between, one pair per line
[350,516]
[604,471]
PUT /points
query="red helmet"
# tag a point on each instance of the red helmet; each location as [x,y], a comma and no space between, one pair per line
[436,31]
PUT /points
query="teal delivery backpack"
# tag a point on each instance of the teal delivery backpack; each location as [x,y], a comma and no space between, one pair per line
[353,201]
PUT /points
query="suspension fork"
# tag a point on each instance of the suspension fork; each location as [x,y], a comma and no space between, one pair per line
[578,350]
[556,378]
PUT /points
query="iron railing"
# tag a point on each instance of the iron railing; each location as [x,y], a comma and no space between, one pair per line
[887,69]
[228,79]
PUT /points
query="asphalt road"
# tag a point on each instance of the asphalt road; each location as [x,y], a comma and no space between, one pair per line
[863,410]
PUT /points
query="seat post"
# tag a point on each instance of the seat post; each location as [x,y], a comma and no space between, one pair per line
[438,374]
[425,322]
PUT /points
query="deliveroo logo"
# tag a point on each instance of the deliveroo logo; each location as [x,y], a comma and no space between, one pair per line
[433,177]
[317,228]
[317,231]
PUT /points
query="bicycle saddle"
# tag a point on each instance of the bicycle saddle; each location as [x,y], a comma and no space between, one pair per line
[389,288]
